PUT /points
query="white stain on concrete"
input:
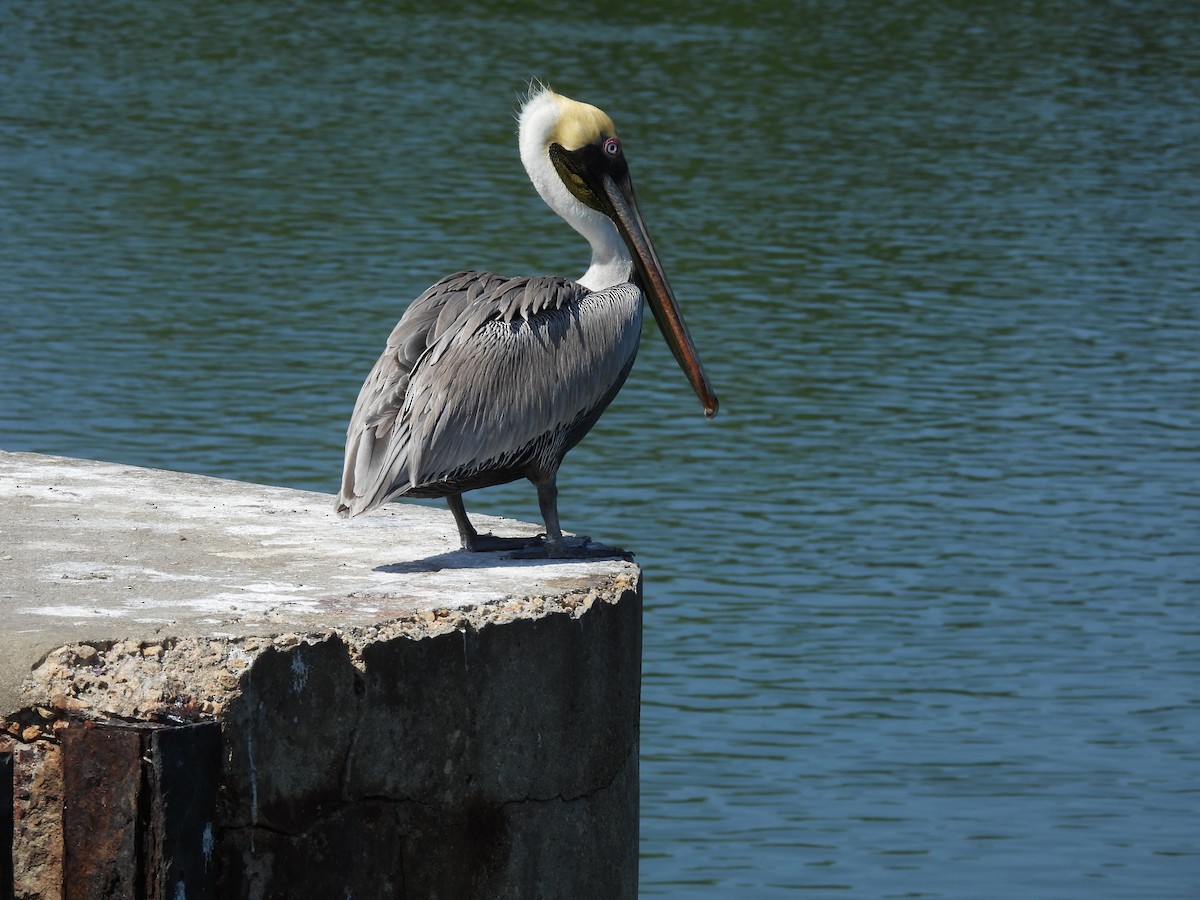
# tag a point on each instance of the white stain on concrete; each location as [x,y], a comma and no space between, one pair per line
[66,611]
[113,550]
[252,530]
[299,673]
[206,845]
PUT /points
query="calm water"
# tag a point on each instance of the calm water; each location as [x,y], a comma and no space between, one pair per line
[922,601]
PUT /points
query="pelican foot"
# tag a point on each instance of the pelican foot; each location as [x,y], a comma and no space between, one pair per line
[484,543]
[577,547]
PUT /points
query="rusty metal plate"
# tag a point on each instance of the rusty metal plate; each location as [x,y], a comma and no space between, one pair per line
[102,787]
[139,801]
[6,826]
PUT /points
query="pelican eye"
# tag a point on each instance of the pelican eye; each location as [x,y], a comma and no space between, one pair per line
[571,165]
[612,147]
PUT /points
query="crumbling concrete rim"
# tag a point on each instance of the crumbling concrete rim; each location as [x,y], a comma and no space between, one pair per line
[97,644]
[152,662]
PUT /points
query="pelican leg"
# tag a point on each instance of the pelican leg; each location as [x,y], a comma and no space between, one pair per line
[475,542]
[547,491]
[554,545]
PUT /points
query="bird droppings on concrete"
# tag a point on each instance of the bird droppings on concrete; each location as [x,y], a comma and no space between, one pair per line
[193,677]
[97,556]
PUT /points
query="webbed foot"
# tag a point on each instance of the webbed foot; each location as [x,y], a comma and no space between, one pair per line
[575,547]
[486,543]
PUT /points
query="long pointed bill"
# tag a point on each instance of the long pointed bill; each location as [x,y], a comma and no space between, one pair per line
[662,299]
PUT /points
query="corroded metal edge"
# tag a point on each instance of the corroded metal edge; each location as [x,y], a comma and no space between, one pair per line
[6,826]
[138,806]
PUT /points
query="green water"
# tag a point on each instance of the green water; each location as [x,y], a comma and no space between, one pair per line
[922,600]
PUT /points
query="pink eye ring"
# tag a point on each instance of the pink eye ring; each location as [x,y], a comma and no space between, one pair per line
[612,147]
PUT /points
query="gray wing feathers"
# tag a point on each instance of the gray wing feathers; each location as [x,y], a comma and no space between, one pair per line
[369,451]
[479,369]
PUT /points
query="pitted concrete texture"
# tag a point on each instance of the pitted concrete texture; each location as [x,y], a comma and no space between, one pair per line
[399,718]
[97,553]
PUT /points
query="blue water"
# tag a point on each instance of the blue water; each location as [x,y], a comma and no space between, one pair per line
[922,601]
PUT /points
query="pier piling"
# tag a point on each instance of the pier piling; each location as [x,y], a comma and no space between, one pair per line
[211,688]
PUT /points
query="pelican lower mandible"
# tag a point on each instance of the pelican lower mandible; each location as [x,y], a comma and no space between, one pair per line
[488,379]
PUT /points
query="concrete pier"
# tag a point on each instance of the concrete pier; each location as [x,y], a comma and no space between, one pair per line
[396,718]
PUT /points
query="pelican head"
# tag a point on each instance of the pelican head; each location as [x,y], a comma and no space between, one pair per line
[577,163]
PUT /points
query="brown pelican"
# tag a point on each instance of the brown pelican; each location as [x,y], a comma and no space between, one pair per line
[488,379]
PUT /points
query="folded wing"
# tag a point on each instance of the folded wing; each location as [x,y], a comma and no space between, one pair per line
[485,374]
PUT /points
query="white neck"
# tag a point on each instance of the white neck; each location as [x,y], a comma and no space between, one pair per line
[611,262]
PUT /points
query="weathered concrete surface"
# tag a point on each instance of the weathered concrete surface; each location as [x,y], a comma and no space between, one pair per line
[400,719]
